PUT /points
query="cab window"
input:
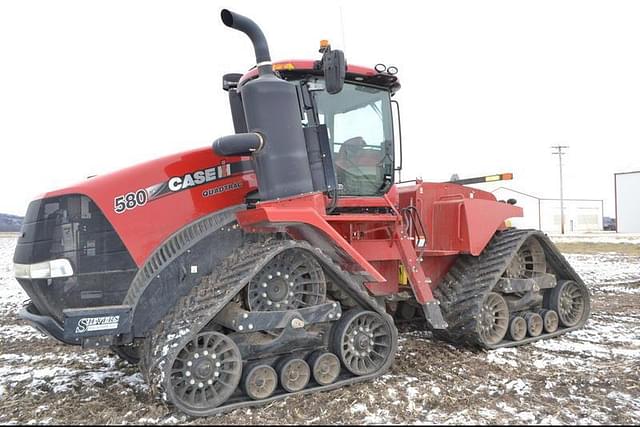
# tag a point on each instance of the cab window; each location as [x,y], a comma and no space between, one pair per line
[358,120]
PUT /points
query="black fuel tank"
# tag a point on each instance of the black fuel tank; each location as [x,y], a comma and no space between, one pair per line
[271,108]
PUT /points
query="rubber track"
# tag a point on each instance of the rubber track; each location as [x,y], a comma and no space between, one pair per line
[195,310]
[470,279]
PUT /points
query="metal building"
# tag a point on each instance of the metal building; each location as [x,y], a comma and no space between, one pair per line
[627,194]
[580,215]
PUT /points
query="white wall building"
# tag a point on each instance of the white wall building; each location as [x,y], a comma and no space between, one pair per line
[627,190]
[580,215]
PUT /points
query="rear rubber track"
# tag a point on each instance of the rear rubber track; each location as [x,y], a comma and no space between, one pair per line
[470,279]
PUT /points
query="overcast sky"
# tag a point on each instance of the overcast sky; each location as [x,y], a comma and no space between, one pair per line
[88,87]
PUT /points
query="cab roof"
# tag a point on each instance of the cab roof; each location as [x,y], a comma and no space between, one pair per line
[355,73]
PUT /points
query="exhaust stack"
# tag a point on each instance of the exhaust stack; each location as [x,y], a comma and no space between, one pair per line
[251,29]
[272,111]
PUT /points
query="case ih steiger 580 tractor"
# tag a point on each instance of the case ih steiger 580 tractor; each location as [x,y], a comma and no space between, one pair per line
[277,261]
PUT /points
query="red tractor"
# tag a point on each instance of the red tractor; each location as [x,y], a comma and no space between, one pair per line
[278,261]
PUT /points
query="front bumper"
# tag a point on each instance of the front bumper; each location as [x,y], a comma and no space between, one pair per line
[81,324]
[45,324]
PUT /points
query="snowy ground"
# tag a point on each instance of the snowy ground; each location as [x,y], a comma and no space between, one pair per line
[588,376]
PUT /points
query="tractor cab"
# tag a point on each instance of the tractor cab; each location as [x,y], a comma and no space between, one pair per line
[360,132]
[352,112]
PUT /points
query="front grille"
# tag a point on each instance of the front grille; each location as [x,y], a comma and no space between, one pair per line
[73,227]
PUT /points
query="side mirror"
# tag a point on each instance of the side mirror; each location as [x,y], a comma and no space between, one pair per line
[334,67]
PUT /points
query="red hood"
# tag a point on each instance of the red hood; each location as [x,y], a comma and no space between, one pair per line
[145,226]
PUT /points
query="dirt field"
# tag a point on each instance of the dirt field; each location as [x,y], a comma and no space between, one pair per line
[588,376]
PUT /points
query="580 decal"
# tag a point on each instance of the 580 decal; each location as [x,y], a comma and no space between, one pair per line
[130,200]
[185,182]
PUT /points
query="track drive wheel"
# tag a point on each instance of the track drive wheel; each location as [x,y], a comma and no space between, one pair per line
[570,300]
[363,341]
[529,261]
[293,279]
[204,374]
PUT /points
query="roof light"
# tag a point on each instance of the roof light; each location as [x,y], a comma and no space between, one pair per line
[324,46]
[392,70]
[44,270]
[380,68]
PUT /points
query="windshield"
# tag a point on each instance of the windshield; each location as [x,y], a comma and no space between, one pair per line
[360,130]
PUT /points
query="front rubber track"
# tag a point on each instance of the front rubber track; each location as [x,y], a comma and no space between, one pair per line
[195,310]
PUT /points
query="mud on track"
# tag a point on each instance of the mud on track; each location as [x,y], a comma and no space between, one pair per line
[588,376]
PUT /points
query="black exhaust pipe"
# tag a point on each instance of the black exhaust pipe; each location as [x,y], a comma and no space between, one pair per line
[241,144]
[251,29]
[274,139]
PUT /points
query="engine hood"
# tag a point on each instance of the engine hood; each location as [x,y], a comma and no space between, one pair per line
[148,202]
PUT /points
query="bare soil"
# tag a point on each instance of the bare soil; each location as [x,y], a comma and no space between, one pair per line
[588,376]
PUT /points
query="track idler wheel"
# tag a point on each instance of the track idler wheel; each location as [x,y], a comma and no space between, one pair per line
[493,320]
[550,320]
[534,324]
[204,374]
[260,381]
[325,367]
[570,300]
[294,374]
[362,340]
[517,328]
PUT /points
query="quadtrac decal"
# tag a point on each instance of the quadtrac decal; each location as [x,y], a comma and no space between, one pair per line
[91,324]
[140,197]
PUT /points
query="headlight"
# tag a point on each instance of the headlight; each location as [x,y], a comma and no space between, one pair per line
[44,270]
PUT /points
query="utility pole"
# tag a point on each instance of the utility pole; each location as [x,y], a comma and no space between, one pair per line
[560,153]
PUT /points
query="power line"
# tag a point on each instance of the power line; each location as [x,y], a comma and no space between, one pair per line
[560,153]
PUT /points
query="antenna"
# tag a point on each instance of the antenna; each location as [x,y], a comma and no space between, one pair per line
[344,40]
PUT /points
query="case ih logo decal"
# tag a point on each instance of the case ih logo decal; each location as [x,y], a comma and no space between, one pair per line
[189,180]
[200,177]
[89,324]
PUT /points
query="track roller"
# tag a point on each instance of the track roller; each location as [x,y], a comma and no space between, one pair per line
[325,367]
[534,324]
[294,373]
[260,381]
[517,328]
[550,320]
